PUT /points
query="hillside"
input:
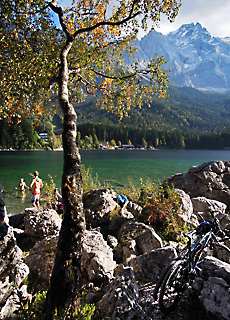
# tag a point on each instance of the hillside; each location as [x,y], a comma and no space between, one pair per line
[185,108]
[197,60]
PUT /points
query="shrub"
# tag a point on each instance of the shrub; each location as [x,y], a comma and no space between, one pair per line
[160,208]
[48,192]
[33,309]
[89,181]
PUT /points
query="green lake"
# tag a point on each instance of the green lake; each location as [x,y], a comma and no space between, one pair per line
[112,166]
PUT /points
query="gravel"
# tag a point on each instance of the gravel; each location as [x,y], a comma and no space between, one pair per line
[189,307]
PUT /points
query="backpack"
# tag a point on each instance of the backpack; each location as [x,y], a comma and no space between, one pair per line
[121,199]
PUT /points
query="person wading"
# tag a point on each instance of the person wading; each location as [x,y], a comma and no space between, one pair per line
[35,187]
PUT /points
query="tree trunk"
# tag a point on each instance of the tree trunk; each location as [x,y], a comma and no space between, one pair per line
[66,276]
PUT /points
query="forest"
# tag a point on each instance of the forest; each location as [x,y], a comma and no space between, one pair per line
[107,134]
[24,136]
[186,118]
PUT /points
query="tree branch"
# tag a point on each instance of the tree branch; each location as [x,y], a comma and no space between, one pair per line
[106,23]
[58,10]
[112,77]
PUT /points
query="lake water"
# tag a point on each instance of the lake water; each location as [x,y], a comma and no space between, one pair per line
[112,166]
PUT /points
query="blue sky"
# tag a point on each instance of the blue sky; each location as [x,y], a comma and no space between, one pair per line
[214,15]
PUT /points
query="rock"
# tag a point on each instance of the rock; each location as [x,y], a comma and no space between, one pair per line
[112,241]
[97,257]
[148,267]
[148,241]
[16,220]
[136,238]
[126,214]
[186,208]
[118,254]
[202,204]
[122,299]
[41,261]
[98,205]
[97,262]
[13,271]
[224,220]
[217,208]
[116,223]
[132,230]
[213,287]
[210,180]
[129,251]
[41,224]
[215,297]
[3,230]
[3,214]
[134,208]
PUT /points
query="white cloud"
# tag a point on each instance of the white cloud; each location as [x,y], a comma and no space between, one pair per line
[214,15]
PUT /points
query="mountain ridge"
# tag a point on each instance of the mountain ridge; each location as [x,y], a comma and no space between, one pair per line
[196,59]
[186,109]
[196,102]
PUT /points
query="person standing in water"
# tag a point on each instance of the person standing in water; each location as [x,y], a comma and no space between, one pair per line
[22,185]
[35,187]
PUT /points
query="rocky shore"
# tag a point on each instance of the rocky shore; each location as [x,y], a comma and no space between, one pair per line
[122,258]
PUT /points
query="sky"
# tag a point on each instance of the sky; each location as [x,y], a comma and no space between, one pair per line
[214,15]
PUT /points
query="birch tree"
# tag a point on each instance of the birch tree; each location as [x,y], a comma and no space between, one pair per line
[67,52]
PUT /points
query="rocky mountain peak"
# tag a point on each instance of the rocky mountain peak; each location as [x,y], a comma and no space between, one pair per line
[191,29]
[196,59]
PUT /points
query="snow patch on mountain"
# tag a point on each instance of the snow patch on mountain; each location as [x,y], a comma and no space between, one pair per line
[196,59]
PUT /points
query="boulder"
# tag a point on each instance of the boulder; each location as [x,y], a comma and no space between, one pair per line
[148,241]
[202,204]
[118,254]
[40,224]
[136,238]
[116,223]
[16,220]
[210,180]
[121,301]
[3,213]
[98,205]
[13,271]
[186,208]
[134,208]
[97,262]
[3,230]
[148,267]
[213,287]
[217,208]
[41,261]
[212,207]
[132,229]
